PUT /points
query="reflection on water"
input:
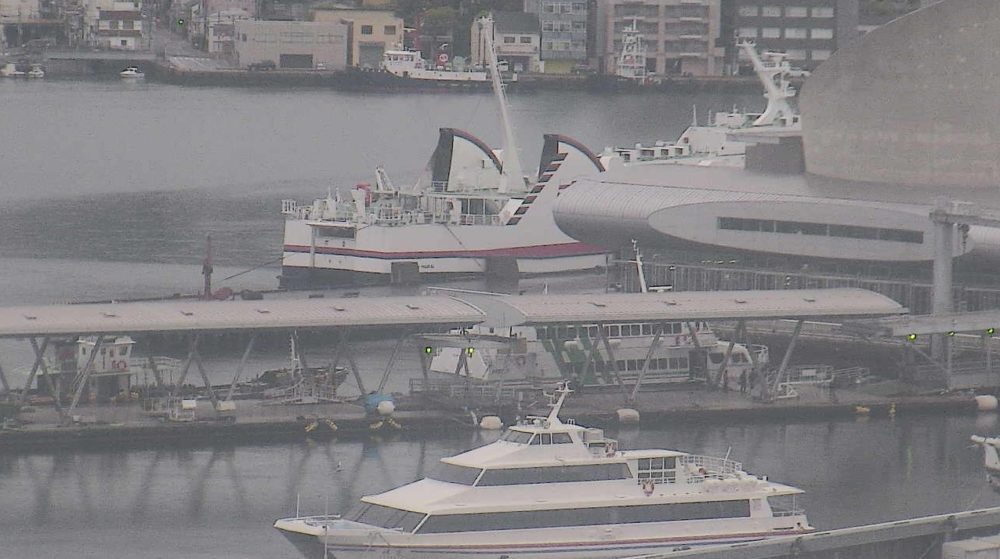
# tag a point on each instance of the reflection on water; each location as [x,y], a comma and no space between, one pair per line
[220,501]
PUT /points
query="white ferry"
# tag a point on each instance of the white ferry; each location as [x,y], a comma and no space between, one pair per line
[544,355]
[410,65]
[477,214]
[718,143]
[549,489]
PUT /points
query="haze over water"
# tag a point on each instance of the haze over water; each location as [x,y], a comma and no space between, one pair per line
[107,191]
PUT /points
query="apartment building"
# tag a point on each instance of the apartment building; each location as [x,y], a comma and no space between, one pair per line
[809,31]
[567,32]
[517,38]
[680,35]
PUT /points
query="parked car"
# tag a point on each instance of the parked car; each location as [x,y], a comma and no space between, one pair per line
[263,65]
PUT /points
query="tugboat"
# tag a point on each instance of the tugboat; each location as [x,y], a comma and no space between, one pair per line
[548,489]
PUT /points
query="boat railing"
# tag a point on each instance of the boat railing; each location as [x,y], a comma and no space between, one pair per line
[699,468]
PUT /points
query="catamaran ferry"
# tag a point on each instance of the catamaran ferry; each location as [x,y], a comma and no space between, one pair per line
[549,489]
[477,214]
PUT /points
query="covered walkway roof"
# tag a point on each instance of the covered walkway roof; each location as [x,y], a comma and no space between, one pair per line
[459,310]
[690,305]
[965,322]
[205,316]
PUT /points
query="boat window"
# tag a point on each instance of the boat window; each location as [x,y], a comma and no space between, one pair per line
[546,438]
[336,232]
[636,330]
[615,331]
[453,473]
[571,332]
[620,365]
[647,330]
[542,333]
[663,363]
[561,438]
[585,516]
[554,474]
[385,517]
[716,358]
[519,437]
[592,331]
[659,470]
[536,441]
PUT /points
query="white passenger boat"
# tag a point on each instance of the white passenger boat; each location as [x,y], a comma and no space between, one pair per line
[475,214]
[131,73]
[719,142]
[545,355]
[549,489]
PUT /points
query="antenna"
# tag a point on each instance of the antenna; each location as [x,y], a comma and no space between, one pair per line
[511,176]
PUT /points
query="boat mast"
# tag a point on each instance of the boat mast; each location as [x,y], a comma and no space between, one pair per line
[777,91]
[643,287]
[511,175]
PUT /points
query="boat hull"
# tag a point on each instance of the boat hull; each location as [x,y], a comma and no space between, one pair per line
[315,545]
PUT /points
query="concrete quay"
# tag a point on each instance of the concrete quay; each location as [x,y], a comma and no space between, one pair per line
[128,425]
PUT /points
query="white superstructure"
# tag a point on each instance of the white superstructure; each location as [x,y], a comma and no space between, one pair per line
[476,214]
[549,489]
[718,143]
[411,65]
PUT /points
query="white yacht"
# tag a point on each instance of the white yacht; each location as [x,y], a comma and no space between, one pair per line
[721,141]
[548,489]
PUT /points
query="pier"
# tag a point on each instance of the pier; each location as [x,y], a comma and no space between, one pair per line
[916,538]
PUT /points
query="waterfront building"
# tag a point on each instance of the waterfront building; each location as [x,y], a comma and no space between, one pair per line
[680,35]
[809,31]
[516,36]
[370,33]
[13,11]
[913,104]
[567,33]
[220,36]
[117,26]
[292,44]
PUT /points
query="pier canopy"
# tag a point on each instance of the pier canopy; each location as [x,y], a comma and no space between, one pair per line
[693,305]
[207,316]
[982,322]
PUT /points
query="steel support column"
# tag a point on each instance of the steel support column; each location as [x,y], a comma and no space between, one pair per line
[239,368]
[83,376]
[611,359]
[57,397]
[392,361]
[39,357]
[786,358]
[645,364]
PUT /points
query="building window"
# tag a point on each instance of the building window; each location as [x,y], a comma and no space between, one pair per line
[771,11]
[822,12]
[821,33]
[389,30]
[113,24]
[579,26]
[546,26]
[367,30]
[526,40]
[771,32]
[796,11]
[508,40]
[128,24]
[796,54]
[749,11]
[820,54]
[747,32]
[796,33]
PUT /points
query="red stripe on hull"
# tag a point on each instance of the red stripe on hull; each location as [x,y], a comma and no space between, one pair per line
[538,251]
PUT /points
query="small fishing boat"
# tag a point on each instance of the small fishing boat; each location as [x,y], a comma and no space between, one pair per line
[36,71]
[131,73]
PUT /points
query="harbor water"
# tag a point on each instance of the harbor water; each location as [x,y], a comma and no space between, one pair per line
[107,192]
